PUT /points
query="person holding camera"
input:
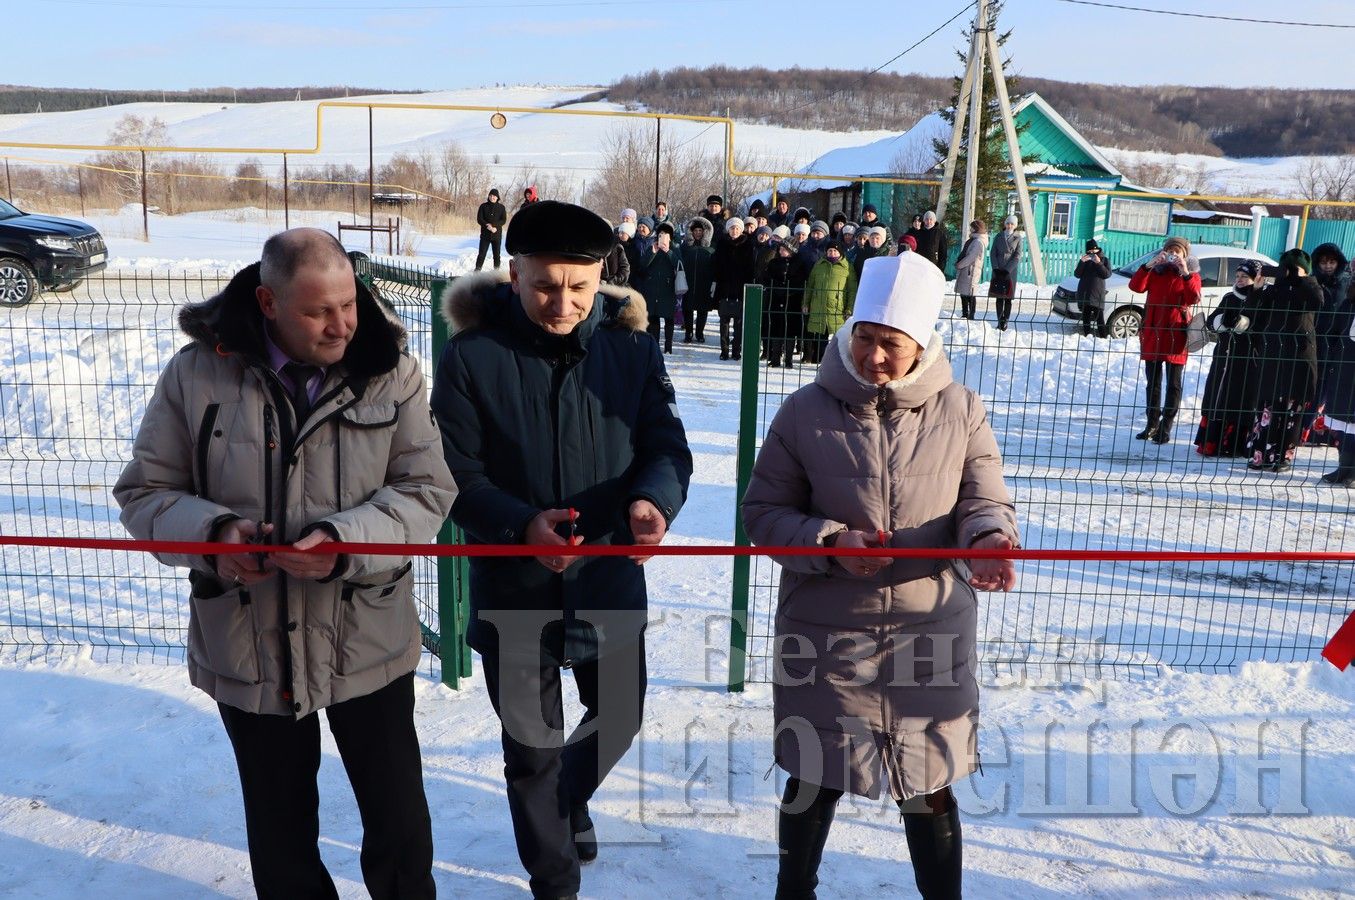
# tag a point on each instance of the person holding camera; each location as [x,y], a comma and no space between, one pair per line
[1171,281]
[657,280]
[1284,346]
[1092,271]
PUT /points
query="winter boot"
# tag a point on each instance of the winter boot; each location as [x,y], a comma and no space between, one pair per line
[1344,476]
[585,837]
[935,847]
[1149,432]
[1163,435]
[800,837]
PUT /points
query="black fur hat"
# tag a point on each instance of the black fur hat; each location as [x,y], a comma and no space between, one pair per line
[552,228]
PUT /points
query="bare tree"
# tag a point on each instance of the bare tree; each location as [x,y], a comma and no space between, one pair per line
[1328,178]
[131,131]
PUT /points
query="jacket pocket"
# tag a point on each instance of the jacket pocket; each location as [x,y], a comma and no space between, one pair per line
[223,637]
[375,621]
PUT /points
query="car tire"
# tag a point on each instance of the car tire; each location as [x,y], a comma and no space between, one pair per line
[18,283]
[68,286]
[1125,322]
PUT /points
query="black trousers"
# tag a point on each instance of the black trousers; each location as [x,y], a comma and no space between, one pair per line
[653,329]
[549,774]
[1093,318]
[731,335]
[1004,310]
[485,244]
[694,321]
[1167,407]
[278,758]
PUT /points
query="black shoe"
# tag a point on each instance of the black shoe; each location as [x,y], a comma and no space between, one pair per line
[700,338]
[1163,435]
[585,836]
[1282,466]
[724,354]
[735,356]
[1147,434]
[1333,477]
[1001,326]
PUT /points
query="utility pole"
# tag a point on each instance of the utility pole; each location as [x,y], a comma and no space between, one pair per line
[983,48]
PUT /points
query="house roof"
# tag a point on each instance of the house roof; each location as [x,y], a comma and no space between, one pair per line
[915,151]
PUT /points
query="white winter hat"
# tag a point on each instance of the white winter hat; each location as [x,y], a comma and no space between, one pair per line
[626,228]
[750,222]
[781,232]
[628,213]
[733,223]
[879,229]
[802,228]
[903,292]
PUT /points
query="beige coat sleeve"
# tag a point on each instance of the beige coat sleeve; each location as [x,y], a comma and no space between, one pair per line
[155,490]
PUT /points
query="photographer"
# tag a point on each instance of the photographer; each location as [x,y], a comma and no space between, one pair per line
[1091,273]
[1172,282]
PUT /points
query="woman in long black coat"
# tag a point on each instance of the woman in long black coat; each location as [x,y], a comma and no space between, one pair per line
[1228,405]
[784,281]
[1284,345]
[1339,379]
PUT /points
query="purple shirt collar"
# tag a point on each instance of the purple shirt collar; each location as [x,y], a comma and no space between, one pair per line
[277,358]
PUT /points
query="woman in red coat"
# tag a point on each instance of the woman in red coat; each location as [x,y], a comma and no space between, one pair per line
[1172,282]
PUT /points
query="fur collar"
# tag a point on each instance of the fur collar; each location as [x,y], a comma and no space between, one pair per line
[231,322]
[469,296]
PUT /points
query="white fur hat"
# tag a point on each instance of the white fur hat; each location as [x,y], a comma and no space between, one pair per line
[732,222]
[627,228]
[628,213]
[781,231]
[802,228]
[903,292]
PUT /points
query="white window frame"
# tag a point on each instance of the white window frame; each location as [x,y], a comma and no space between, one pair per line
[1071,203]
[1139,216]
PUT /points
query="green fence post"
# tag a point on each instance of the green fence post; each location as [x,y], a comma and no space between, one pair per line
[450,582]
[747,449]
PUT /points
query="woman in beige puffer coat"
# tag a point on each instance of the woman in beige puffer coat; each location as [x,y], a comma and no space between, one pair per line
[875,686]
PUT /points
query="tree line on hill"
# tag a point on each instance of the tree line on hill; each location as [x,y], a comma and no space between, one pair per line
[1236,122]
[23,99]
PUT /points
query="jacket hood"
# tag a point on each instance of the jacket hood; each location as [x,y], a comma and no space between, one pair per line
[232,323]
[706,234]
[1333,251]
[470,297]
[837,375]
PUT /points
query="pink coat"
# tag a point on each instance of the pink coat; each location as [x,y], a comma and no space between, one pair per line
[917,459]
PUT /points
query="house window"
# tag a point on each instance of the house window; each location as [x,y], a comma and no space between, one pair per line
[1142,216]
[1061,217]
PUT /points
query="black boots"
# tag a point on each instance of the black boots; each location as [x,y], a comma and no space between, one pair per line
[1150,432]
[933,836]
[1163,434]
[936,849]
[800,836]
[1344,476]
[585,838]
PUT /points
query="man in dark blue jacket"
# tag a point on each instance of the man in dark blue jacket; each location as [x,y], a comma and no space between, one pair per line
[561,426]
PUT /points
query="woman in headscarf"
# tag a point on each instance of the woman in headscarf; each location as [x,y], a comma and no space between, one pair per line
[1284,345]
[969,267]
[885,448]
[1229,402]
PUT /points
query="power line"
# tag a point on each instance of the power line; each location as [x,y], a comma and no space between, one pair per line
[931,34]
[1190,15]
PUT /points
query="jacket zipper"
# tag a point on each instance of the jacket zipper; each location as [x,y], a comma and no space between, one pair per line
[881,411]
[204,444]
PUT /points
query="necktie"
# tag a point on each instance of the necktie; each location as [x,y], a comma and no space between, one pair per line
[300,375]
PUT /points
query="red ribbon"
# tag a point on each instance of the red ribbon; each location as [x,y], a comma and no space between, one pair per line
[207,548]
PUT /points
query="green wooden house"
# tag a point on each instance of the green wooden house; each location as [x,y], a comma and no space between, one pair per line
[1065,161]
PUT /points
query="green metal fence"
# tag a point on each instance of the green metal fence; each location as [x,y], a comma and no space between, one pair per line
[1064,408]
[76,372]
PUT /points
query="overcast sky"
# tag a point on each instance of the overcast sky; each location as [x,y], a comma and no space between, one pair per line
[444,44]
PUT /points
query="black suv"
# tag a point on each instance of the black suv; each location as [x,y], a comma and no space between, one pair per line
[40,253]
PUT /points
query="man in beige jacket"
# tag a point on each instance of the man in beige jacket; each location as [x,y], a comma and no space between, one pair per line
[295,416]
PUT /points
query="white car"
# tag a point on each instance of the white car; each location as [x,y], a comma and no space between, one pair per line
[1124,308]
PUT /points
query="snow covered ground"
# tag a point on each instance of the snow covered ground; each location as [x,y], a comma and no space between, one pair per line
[116,777]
